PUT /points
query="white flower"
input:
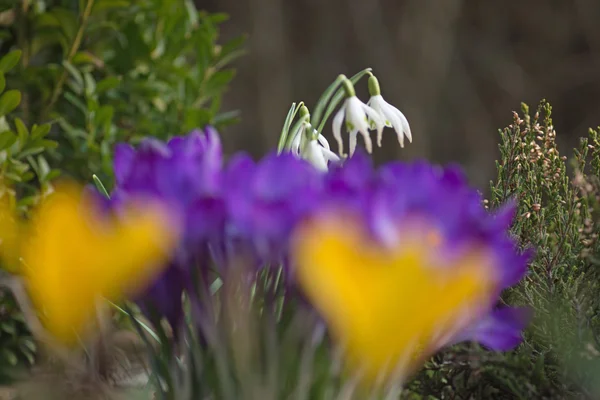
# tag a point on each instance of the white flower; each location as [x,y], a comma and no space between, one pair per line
[393,119]
[358,116]
[314,149]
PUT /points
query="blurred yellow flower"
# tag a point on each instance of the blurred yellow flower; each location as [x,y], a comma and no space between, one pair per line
[73,256]
[9,230]
[389,309]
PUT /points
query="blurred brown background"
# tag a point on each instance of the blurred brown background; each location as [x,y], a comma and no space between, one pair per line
[456,68]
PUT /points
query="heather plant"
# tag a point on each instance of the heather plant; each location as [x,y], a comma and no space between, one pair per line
[557,215]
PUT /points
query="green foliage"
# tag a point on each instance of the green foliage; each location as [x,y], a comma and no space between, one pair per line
[22,164]
[106,71]
[17,347]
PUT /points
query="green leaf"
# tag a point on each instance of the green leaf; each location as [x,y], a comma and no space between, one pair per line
[43,168]
[46,39]
[71,98]
[218,81]
[46,20]
[294,129]
[40,131]
[27,176]
[4,126]
[195,118]
[8,327]
[10,356]
[226,118]
[9,101]
[21,131]
[286,128]
[30,357]
[28,344]
[230,51]
[74,72]
[108,83]
[7,139]
[84,57]
[103,118]
[218,18]
[9,61]
[90,84]
[68,22]
[2,82]
[100,186]
[105,5]
[53,174]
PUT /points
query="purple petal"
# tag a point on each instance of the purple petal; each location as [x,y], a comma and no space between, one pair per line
[123,159]
[500,330]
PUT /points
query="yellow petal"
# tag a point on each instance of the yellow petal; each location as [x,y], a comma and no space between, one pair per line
[75,256]
[389,309]
[9,232]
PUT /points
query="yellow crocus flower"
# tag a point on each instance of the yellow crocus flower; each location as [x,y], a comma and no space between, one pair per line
[73,256]
[389,309]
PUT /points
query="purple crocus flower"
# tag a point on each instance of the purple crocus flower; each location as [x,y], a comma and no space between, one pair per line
[267,200]
[185,173]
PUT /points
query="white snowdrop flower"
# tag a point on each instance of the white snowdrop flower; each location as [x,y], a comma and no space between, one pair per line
[309,144]
[358,117]
[392,117]
[317,152]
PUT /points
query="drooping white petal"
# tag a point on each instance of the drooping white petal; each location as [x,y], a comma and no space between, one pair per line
[337,127]
[400,123]
[357,118]
[405,126]
[323,141]
[377,119]
[392,118]
[330,155]
[353,136]
[315,156]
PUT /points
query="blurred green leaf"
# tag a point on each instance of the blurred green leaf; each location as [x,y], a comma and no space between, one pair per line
[8,327]
[75,73]
[104,5]
[9,61]
[218,81]
[67,20]
[84,57]
[90,84]
[28,343]
[74,100]
[21,130]
[7,139]
[9,101]
[2,82]
[43,40]
[46,20]
[43,168]
[40,131]
[104,117]
[10,356]
[107,84]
